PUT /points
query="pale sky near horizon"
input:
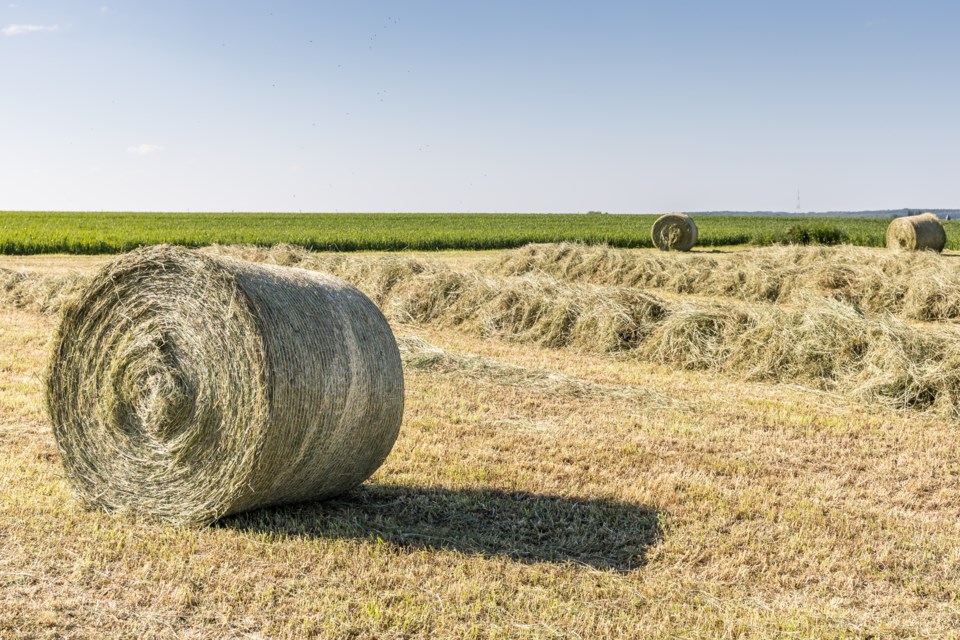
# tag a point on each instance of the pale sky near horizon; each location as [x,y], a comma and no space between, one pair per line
[525,106]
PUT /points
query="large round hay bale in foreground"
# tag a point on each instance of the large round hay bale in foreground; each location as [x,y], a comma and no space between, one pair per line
[186,387]
[916,233]
[674,232]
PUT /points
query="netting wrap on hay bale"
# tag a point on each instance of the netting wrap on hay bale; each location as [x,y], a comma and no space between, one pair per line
[916,233]
[189,387]
[674,232]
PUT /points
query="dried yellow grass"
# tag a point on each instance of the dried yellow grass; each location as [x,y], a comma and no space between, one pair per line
[914,286]
[187,387]
[39,293]
[753,511]
[419,355]
[535,310]
[824,339]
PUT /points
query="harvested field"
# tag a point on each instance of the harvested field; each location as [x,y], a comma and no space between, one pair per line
[579,458]
[914,286]
[816,340]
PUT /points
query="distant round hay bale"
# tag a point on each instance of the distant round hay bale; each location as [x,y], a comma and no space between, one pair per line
[188,387]
[674,232]
[916,233]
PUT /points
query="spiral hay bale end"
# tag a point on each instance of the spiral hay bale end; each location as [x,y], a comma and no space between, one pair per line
[187,387]
[916,233]
[674,232]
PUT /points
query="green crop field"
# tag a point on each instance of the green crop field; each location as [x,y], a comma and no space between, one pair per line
[89,232]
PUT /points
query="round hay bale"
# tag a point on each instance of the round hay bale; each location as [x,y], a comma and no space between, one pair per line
[916,233]
[674,232]
[188,387]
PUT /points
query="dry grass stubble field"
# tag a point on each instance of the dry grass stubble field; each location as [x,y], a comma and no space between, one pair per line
[534,492]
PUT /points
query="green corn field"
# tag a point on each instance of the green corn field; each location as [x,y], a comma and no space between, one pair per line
[92,232]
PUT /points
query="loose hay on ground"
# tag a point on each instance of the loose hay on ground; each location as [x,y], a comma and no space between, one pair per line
[823,340]
[914,286]
[418,354]
[40,293]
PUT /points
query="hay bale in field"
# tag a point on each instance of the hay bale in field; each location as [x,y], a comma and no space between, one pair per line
[916,233]
[674,232]
[188,387]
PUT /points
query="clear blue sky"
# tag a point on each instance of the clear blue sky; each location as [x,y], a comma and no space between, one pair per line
[479,106]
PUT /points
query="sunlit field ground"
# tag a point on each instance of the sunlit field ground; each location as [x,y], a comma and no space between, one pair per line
[554,478]
[91,232]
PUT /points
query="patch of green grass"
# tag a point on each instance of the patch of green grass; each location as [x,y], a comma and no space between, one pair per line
[29,232]
[815,234]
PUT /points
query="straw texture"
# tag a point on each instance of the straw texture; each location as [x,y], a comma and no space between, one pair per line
[916,233]
[674,232]
[188,387]
[919,285]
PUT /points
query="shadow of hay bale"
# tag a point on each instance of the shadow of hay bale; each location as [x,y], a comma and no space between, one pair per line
[527,527]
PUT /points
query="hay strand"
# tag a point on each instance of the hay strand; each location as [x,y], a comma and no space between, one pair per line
[916,233]
[188,387]
[674,232]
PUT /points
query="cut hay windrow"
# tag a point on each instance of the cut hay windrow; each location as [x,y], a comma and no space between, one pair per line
[914,286]
[530,310]
[188,387]
[820,342]
[535,310]
[44,294]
